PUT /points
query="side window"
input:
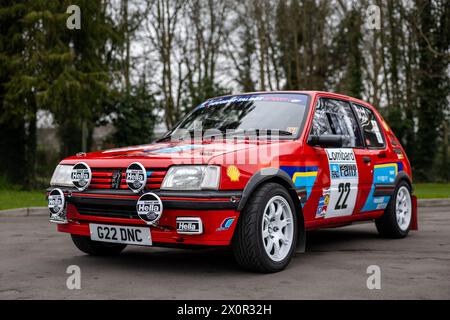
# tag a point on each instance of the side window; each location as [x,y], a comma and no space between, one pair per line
[336,117]
[370,126]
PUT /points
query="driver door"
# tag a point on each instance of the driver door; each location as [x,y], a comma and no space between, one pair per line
[342,179]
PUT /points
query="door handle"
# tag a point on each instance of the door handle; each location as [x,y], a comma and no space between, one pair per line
[382,154]
[367,159]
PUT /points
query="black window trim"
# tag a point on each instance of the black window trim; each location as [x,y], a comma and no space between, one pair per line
[350,103]
[354,104]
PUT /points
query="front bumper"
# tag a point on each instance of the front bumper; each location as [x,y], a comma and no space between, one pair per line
[118,207]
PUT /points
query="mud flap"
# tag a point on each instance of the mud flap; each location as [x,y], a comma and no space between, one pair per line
[414,218]
[301,238]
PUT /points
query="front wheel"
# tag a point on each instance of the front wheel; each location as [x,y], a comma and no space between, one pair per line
[266,233]
[396,220]
[96,248]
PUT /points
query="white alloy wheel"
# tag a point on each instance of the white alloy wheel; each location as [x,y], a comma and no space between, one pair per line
[277,228]
[403,208]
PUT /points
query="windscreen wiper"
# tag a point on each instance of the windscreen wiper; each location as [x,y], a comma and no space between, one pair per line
[259,132]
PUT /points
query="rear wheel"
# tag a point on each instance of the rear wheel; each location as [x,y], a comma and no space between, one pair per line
[396,221]
[96,248]
[266,234]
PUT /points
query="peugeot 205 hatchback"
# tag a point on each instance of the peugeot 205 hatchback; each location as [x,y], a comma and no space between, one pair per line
[252,171]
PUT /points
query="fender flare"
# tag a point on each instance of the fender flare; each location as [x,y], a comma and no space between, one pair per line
[402,175]
[277,175]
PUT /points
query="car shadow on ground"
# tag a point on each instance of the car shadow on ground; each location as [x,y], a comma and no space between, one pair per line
[340,239]
[221,260]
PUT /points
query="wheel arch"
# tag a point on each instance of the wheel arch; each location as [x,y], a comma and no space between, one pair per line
[279,176]
[403,176]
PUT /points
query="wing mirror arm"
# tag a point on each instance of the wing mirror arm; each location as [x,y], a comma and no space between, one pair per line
[326,141]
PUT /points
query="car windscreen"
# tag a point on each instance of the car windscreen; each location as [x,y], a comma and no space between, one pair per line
[272,114]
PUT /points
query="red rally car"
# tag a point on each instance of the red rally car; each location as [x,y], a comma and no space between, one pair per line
[252,171]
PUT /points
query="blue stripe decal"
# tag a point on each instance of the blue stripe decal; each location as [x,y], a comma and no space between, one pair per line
[383,173]
[302,177]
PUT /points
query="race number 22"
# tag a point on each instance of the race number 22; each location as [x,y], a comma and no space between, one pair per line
[344,191]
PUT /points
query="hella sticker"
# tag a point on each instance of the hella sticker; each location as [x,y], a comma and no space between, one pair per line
[57,206]
[81,176]
[136,177]
[149,207]
[189,225]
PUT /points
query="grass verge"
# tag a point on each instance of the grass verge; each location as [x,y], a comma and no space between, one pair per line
[21,199]
[432,190]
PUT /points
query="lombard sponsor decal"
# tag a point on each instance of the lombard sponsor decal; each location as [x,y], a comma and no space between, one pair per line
[226,224]
[340,155]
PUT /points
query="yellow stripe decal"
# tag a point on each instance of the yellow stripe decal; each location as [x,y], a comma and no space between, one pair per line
[304,174]
[387,165]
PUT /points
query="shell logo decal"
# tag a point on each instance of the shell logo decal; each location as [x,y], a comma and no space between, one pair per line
[233,173]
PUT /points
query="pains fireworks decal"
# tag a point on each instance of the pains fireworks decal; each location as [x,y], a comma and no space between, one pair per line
[323,203]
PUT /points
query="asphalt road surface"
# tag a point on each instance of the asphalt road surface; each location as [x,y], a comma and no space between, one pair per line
[34,259]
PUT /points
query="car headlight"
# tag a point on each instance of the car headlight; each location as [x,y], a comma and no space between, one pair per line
[192,178]
[61,176]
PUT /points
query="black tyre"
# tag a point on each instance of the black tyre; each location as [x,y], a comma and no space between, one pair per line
[396,220]
[266,234]
[96,248]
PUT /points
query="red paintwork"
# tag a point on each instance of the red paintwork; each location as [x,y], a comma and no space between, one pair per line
[291,153]
[211,220]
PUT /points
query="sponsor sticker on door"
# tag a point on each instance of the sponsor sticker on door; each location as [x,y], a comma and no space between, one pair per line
[343,182]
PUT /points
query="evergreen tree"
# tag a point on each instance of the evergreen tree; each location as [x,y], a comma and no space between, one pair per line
[34,50]
[347,55]
[433,87]
[12,122]
[49,67]
[134,116]
[79,94]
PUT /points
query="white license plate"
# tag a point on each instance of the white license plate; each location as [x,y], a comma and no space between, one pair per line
[121,234]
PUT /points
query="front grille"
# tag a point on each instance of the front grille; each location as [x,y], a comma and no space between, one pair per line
[109,211]
[102,178]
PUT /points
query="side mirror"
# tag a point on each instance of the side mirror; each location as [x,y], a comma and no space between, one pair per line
[326,141]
